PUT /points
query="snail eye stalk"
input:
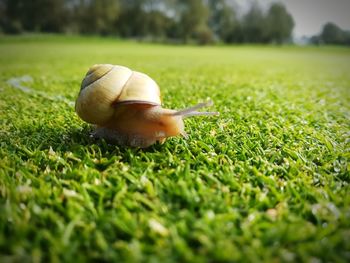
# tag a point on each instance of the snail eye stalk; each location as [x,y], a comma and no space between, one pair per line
[192,111]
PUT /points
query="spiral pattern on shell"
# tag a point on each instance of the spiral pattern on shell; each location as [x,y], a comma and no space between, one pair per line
[105,86]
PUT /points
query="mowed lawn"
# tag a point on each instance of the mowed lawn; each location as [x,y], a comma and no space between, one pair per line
[267,180]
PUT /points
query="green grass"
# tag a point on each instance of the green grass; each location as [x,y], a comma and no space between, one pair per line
[267,180]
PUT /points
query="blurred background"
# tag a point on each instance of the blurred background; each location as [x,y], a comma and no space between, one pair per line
[184,21]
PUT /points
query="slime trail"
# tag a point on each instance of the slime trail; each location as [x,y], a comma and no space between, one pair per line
[20,83]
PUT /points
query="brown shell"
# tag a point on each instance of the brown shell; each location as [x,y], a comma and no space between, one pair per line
[105,86]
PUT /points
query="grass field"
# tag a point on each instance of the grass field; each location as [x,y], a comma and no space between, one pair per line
[267,180]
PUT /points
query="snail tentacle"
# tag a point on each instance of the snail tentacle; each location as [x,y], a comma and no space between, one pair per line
[192,111]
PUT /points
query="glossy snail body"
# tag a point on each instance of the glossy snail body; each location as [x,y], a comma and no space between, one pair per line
[125,107]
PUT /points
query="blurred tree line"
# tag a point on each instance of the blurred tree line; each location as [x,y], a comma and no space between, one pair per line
[202,21]
[332,34]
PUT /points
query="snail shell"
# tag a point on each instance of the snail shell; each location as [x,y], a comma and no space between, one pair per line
[106,85]
[125,106]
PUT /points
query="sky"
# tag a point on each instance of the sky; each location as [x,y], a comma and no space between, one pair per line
[310,15]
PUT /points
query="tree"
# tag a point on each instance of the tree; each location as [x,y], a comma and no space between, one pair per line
[157,24]
[143,18]
[175,20]
[130,22]
[223,21]
[2,15]
[35,15]
[279,24]
[332,34]
[96,16]
[253,25]
[193,21]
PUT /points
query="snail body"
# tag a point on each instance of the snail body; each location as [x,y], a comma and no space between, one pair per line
[125,107]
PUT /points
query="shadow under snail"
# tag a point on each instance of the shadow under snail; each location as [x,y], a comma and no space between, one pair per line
[125,107]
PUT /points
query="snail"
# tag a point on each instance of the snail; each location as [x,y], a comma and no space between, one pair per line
[125,107]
